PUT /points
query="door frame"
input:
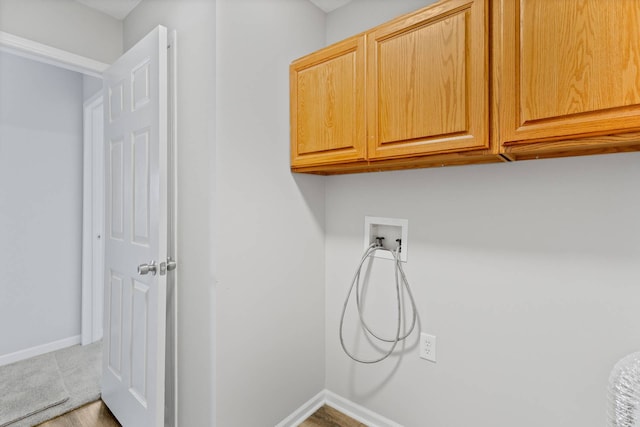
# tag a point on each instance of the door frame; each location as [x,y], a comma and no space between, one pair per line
[171,343]
[40,52]
[92,222]
[50,55]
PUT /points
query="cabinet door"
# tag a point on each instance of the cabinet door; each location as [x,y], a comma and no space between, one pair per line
[327,105]
[427,89]
[570,68]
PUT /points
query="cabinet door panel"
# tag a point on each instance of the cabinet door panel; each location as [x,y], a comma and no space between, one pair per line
[570,68]
[406,74]
[327,105]
[428,82]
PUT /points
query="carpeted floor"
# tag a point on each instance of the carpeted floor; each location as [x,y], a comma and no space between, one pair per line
[29,387]
[79,370]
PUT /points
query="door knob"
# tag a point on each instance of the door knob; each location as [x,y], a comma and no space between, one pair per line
[148,268]
[169,265]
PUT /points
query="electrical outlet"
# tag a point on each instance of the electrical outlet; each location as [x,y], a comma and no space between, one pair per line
[428,347]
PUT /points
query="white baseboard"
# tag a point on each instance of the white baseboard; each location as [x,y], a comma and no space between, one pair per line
[6,359]
[347,407]
[357,412]
[304,412]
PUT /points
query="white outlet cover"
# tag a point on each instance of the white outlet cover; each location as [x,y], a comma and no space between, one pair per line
[428,347]
[388,226]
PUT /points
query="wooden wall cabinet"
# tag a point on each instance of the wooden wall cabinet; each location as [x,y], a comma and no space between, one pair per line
[561,78]
[427,82]
[569,76]
[327,105]
[426,100]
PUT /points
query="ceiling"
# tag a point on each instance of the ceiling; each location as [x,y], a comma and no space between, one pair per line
[329,5]
[119,9]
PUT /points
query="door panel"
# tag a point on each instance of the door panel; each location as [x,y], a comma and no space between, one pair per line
[115,184]
[427,82]
[140,337]
[135,304]
[141,190]
[404,114]
[569,69]
[114,301]
[327,105]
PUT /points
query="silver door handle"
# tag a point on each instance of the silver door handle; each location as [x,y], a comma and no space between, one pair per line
[169,265]
[148,268]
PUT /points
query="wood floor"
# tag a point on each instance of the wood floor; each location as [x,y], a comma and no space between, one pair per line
[329,417]
[97,414]
[94,414]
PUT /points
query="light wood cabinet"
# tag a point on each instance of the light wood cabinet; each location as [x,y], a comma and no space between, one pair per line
[425,102]
[327,105]
[440,86]
[569,76]
[427,82]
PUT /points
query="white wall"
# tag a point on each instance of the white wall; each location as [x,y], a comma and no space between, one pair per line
[361,15]
[90,86]
[194,20]
[270,293]
[65,24]
[40,203]
[251,241]
[527,273]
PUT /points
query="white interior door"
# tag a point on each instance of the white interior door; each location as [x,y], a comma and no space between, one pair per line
[135,94]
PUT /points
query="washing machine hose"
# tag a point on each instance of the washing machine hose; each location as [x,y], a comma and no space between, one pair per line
[400,281]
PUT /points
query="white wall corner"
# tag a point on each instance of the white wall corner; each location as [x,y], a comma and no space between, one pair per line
[304,411]
[347,407]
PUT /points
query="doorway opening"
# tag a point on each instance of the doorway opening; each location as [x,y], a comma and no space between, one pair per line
[49,191]
[45,201]
[93,202]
